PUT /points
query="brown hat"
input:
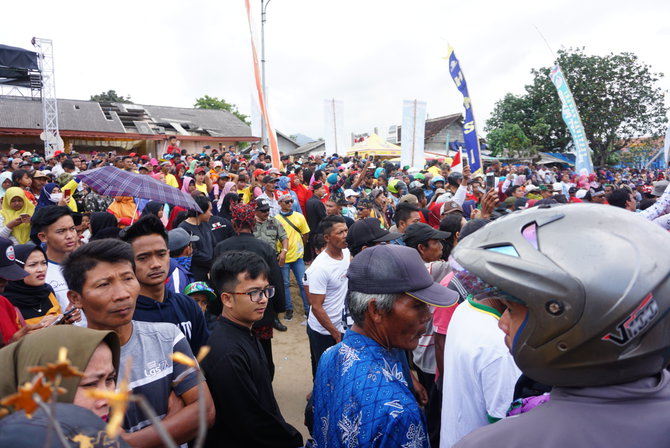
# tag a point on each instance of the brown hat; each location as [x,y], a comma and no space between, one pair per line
[37,174]
[450,207]
[410,199]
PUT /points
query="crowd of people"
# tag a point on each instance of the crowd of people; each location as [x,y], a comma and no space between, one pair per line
[438,303]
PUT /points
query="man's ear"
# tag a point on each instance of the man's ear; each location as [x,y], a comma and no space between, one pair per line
[42,236]
[375,313]
[226,299]
[75,298]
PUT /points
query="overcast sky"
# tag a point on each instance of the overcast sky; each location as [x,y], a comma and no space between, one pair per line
[370,54]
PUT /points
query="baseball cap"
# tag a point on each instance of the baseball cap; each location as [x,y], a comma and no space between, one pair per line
[144,157]
[273,171]
[8,268]
[200,287]
[262,204]
[268,179]
[410,199]
[13,151]
[132,154]
[37,174]
[179,238]
[420,231]
[369,230]
[349,193]
[200,169]
[659,187]
[450,207]
[27,154]
[393,269]
[36,160]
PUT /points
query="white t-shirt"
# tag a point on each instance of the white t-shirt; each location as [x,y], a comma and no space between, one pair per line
[55,278]
[328,276]
[479,372]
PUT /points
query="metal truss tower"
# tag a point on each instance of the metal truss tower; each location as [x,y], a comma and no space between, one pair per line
[45,60]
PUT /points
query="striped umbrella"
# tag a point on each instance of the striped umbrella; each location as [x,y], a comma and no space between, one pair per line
[112,181]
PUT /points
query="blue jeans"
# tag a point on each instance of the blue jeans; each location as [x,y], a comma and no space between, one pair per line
[298,268]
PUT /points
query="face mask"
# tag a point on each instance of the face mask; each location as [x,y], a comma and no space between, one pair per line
[56,197]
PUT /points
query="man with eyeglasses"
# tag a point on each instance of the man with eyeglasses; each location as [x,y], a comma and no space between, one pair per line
[297,232]
[247,411]
[244,221]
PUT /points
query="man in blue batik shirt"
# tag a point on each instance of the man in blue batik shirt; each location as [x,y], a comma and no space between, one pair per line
[361,393]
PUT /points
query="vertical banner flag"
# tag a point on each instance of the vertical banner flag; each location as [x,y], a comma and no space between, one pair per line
[412,133]
[666,146]
[274,147]
[469,129]
[256,120]
[572,120]
[335,136]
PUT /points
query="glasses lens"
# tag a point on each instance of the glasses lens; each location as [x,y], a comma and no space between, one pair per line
[269,292]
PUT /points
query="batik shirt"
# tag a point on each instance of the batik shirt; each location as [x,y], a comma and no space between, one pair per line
[362,399]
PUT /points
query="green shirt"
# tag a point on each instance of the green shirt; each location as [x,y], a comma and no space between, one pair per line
[271,232]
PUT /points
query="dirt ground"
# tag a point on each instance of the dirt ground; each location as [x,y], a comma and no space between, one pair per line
[293,371]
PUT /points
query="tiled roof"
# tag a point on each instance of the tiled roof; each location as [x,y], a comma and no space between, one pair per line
[91,116]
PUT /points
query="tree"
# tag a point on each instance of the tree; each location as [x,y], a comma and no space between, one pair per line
[112,97]
[212,102]
[511,141]
[617,97]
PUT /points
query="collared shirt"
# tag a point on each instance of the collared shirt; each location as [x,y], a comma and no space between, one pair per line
[270,231]
[274,204]
[362,398]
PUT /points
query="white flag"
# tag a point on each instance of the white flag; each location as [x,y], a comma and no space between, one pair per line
[412,133]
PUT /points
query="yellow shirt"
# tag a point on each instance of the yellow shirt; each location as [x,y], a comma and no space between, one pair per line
[246,194]
[435,171]
[171,180]
[296,249]
[201,187]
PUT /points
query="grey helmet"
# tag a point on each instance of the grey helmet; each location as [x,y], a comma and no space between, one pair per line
[596,282]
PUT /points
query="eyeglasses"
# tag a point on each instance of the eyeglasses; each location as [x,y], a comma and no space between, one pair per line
[257,294]
[288,201]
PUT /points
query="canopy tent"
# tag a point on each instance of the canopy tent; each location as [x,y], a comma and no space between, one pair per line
[16,65]
[374,145]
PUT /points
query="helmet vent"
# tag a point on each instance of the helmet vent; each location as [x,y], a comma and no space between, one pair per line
[505,250]
[530,234]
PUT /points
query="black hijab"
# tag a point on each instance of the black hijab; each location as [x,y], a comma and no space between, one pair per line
[32,301]
[103,225]
[225,205]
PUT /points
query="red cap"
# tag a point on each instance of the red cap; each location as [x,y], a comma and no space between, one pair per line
[132,154]
[57,153]
[145,157]
[200,169]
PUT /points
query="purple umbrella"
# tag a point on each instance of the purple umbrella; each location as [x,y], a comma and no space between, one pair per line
[112,181]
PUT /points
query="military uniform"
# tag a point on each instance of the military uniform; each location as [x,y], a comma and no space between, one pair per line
[272,232]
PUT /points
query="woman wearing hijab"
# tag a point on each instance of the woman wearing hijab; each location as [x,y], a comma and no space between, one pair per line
[153,208]
[15,216]
[5,182]
[188,186]
[51,195]
[33,297]
[103,225]
[227,188]
[94,352]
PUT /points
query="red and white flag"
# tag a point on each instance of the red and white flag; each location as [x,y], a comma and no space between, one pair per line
[457,164]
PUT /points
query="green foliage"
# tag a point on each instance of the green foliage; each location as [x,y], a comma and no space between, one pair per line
[617,97]
[212,102]
[112,97]
[509,141]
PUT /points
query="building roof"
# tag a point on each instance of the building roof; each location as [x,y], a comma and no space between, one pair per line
[20,113]
[309,147]
[435,125]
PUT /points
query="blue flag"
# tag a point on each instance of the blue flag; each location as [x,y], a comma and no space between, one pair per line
[469,129]
[572,120]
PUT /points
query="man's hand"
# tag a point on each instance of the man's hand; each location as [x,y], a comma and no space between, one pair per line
[281,258]
[489,202]
[466,175]
[75,316]
[337,336]
[419,391]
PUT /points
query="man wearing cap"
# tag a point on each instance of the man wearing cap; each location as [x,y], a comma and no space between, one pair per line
[362,395]
[297,232]
[39,181]
[269,186]
[546,191]
[368,232]
[269,230]
[179,245]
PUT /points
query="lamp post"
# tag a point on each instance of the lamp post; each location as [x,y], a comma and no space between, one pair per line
[264,6]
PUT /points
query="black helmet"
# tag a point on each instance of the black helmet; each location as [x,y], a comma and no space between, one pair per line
[596,284]
[455,179]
